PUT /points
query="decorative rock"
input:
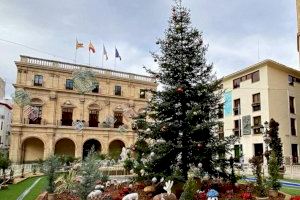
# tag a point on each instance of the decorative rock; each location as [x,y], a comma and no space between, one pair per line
[165,196]
[132,196]
[149,189]
[94,194]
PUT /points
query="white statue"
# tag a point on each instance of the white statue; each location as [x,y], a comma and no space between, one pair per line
[168,186]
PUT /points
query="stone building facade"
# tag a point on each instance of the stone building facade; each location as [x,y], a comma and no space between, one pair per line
[51,89]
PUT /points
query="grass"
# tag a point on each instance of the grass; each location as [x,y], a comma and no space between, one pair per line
[38,189]
[14,191]
[290,190]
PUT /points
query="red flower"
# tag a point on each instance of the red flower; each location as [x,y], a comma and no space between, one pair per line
[246,195]
[295,198]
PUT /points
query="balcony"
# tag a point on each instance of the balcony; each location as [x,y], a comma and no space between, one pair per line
[256,106]
[256,129]
[66,122]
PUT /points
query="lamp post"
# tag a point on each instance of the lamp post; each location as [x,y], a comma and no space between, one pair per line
[264,129]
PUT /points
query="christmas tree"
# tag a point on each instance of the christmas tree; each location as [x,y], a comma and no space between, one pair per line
[181,131]
[275,143]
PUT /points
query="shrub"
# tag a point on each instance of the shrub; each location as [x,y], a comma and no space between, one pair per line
[256,164]
[273,169]
[190,189]
[49,169]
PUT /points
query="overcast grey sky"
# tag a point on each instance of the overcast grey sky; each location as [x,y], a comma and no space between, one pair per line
[232,28]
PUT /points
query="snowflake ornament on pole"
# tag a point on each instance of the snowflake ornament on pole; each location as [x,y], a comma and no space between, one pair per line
[84,80]
[21,97]
[78,125]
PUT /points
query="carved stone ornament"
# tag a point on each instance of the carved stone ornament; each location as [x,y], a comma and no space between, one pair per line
[52,95]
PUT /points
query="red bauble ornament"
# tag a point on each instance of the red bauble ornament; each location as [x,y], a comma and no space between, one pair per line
[179,90]
[199,145]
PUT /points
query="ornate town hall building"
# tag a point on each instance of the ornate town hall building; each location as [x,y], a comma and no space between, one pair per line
[50,86]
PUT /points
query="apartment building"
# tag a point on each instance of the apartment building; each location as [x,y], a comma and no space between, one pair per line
[256,94]
[60,106]
[5,122]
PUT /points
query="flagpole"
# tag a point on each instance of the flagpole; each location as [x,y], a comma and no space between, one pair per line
[102,55]
[75,54]
[75,51]
[115,59]
[89,58]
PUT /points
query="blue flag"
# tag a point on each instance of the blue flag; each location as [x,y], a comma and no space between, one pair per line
[117,55]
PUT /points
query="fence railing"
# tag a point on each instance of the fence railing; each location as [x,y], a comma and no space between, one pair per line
[70,66]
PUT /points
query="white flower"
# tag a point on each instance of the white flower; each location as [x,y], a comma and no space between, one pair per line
[200,165]
[154,180]
[142,172]
[152,154]
[162,179]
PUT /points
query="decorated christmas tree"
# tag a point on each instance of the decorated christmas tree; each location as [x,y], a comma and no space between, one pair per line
[178,131]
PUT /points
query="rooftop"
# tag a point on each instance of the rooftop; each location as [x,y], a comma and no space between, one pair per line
[268,62]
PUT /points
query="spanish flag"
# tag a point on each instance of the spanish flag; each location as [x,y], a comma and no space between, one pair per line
[92,48]
[79,44]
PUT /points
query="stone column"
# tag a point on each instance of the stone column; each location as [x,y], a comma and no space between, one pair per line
[78,146]
[15,149]
[49,145]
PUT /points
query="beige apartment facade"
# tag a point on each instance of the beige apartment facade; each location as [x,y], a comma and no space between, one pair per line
[256,94]
[50,86]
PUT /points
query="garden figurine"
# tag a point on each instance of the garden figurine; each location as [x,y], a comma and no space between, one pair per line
[212,194]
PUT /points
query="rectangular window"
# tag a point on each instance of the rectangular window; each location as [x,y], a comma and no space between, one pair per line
[69,84]
[293,126]
[295,153]
[292,108]
[258,149]
[256,102]
[221,111]
[1,125]
[118,90]
[93,118]
[238,149]
[237,107]
[256,125]
[142,93]
[237,128]
[96,89]
[38,80]
[255,76]
[119,119]
[67,117]
[291,80]
[221,131]
[236,83]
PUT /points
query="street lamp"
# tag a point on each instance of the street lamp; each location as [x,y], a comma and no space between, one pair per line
[264,129]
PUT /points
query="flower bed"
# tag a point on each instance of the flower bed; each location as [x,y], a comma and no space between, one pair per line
[226,191]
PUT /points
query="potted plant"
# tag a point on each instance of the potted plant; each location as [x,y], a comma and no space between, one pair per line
[49,169]
[260,188]
[273,169]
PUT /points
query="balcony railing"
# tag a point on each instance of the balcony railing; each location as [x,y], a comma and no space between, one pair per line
[69,66]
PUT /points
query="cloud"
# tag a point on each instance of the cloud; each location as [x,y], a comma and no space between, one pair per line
[231,28]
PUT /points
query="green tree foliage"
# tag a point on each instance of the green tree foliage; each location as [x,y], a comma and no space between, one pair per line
[275,143]
[89,174]
[4,162]
[183,116]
